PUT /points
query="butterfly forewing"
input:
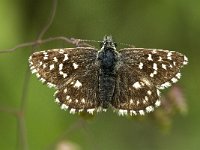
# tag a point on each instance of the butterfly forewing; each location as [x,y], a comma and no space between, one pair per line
[57,66]
[161,67]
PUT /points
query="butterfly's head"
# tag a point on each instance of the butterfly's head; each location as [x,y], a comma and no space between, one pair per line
[108,43]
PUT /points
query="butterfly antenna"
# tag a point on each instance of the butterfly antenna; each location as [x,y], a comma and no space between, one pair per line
[129,45]
[84,40]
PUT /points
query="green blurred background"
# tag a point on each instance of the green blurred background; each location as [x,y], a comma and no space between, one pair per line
[166,24]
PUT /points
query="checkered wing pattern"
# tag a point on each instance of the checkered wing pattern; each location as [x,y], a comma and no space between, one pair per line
[142,72]
[73,72]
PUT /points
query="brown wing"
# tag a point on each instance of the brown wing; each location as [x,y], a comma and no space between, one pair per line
[73,72]
[81,92]
[141,72]
[135,93]
[162,67]
[55,67]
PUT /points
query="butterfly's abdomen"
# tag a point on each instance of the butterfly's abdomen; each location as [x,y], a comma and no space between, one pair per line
[106,89]
[107,75]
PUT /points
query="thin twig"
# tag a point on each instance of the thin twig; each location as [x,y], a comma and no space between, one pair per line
[34,43]
[39,42]
[49,22]
[23,141]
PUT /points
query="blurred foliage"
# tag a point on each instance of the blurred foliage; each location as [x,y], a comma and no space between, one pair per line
[166,24]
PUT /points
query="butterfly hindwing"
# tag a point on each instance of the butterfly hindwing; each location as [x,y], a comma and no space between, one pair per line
[135,93]
[80,93]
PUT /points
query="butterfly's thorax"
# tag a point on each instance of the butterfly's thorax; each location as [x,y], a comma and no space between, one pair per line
[107,58]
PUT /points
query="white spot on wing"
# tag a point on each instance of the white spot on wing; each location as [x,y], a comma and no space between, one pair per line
[165,85]
[169,55]
[51,67]
[140,65]
[42,80]
[90,111]
[61,51]
[164,66]
[55,59]
[185,62]
[157,104]
[132,112]
[60,67]
[174,80]
[154,51]
[178,75]
[174,63]
[50,85]
[158,92]
[146,81]
[155,66]
[70,100]
[141,112]
[122,112]
[150,57]
[40,64]
[144,102]
[155,72]
[57,100]
[38,75]
[137,85]
[77,84]
[149,109]
[72,111]
[160,58]
[83,100]
[63,74]
[64,107]
[66,57]
[152,75]
[146,98]
[75,65]
[32,67]
[30,58]
[65,90]
[34,71]
[80,110]
[45,57]
[149,92]
[44,66]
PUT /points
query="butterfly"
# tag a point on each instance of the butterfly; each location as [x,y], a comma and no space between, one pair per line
[128,80]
